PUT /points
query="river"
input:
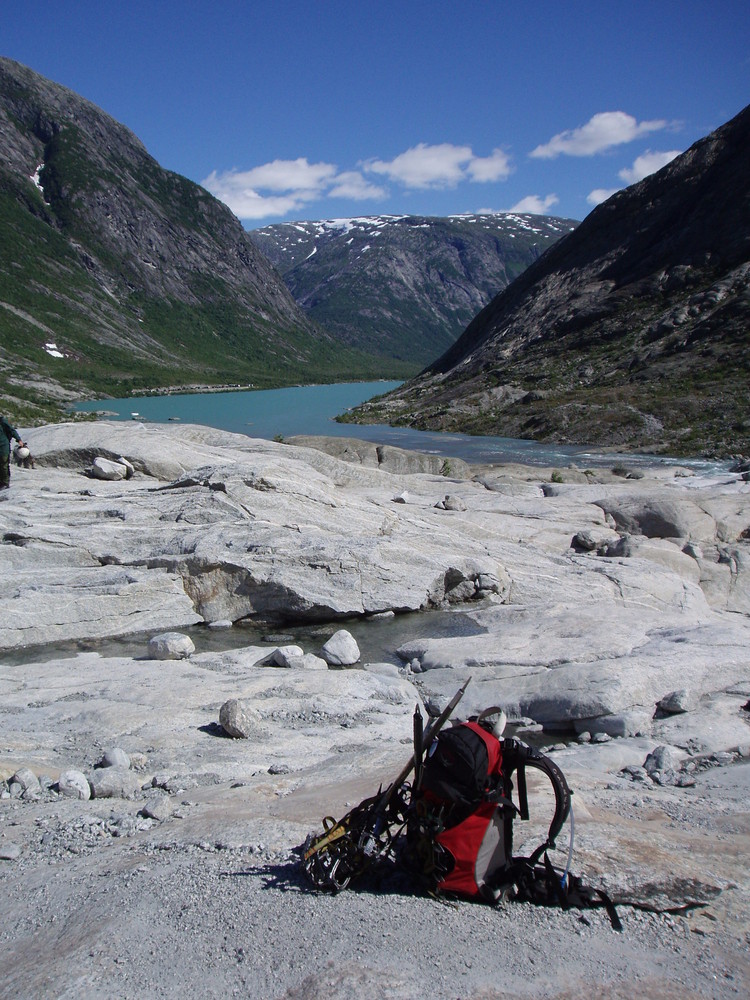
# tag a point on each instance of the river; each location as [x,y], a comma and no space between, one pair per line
[312,409]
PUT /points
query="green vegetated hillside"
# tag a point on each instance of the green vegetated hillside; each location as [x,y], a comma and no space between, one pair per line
[633,331]
[404,286]
[117,275]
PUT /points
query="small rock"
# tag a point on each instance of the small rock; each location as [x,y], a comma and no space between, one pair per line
[693,550]
[10,852]
[600,738]
[341,649]
[221,623]
[115,758]
[281,655]
[451,503]
[685,781]
[401,497]
[678,701]
[662,758]
[583,541]
[584,737]
[636,773]
[170,646]
[74,785]
[621,549]
[308,661]
[279,769]
[158,808]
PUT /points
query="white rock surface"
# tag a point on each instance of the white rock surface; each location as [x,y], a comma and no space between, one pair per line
[247,528]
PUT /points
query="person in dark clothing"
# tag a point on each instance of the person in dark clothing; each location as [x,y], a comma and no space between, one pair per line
[7,433]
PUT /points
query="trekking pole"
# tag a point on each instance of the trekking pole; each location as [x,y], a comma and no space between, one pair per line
[418,746]
[368,840]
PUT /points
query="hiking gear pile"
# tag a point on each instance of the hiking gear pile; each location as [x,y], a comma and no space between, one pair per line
[452,827]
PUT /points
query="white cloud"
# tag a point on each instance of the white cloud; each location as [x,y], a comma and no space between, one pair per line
[287,175]
[598,195]
[602,132]
[534,205]
[441,166]
[496,167]
[285,186]
[425,166]
[247,203]
[647,164]
[351,184]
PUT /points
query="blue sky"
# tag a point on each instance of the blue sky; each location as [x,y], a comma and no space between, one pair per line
[292,110]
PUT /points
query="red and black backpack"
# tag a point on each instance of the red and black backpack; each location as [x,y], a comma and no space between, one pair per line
[461,815]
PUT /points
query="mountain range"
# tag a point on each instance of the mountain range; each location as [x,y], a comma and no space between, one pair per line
[632,331]
[404,286]
[117,275]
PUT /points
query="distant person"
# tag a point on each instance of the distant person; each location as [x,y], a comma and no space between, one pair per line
[8,433]
[23,457]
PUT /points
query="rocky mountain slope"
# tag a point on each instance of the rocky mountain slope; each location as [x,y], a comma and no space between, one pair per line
[633,331]
[404,286]
[116,274]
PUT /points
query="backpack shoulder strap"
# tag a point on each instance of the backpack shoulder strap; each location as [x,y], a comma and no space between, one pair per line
[517,757]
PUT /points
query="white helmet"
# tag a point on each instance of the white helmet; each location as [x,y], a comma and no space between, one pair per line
[23,451]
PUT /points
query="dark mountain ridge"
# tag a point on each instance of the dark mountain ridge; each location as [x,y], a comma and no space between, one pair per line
[404,286]
[632,331]
[117,275]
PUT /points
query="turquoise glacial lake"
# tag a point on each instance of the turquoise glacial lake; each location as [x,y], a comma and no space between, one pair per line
[312,409]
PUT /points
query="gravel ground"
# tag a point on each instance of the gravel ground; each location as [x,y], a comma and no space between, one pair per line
[211,903]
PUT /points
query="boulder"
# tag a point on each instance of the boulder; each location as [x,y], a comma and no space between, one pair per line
[341,650]
[104,468]
[74,785]
[241,721]
[27,782]
[114,783]
[114,757]
[170,646]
